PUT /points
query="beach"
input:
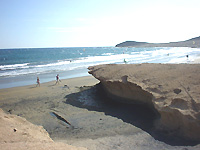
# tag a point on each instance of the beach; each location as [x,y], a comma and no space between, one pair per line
[77,112]
[36,104]
[91,75]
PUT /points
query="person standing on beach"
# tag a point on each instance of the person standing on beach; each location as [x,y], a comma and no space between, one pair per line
[57,79]
[38,82]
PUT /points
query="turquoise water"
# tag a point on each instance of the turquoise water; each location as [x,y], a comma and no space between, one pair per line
[19,67]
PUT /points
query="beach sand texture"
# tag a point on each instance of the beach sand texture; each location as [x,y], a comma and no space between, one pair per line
[85,118]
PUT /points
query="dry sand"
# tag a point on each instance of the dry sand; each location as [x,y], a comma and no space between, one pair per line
[84,118]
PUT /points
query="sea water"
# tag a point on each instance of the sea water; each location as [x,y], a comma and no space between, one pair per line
[19,67]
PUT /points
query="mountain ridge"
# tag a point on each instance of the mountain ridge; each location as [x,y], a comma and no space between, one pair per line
[193,43]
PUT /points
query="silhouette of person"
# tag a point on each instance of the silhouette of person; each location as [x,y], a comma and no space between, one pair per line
[38,82]
[57,79]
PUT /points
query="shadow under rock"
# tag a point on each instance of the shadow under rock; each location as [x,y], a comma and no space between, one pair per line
[95,99]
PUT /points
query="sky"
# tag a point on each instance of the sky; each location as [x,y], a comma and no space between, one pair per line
[96,23]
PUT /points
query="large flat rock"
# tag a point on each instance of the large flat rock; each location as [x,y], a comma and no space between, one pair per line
[172,89]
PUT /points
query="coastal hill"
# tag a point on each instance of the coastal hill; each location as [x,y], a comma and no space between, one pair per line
[194,43]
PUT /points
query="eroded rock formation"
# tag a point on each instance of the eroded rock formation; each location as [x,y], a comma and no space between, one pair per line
[172,89]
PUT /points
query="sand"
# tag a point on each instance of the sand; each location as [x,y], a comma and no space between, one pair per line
[85,116]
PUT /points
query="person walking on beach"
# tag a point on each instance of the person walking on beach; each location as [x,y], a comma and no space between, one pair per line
[57,79]
[38,82]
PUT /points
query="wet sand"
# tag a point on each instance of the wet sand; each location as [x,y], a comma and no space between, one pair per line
[80,114]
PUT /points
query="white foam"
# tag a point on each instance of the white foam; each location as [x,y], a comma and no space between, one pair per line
[158,55]
[53,64]
[14,66]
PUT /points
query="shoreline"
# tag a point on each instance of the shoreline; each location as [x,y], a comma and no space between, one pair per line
[85,81]
[27,80]
[24,80]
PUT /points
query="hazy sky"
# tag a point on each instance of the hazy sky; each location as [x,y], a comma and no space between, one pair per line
[78,23]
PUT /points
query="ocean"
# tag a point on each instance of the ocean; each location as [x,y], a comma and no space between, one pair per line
[19,67]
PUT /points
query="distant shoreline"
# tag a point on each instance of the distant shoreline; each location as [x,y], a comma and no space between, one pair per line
[193,43]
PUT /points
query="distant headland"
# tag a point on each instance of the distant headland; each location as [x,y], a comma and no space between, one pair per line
[194,43]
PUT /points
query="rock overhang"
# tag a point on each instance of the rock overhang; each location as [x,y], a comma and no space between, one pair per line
[172,89]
